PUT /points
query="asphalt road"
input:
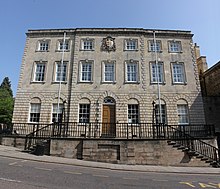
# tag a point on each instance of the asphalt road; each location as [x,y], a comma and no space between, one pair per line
[26,174]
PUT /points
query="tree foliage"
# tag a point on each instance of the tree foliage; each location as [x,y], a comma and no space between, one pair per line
[6,84]
[6,102]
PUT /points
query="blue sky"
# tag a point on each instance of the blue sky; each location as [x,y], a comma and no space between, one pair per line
[202,17]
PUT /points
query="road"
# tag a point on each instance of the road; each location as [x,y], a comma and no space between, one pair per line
[26,174]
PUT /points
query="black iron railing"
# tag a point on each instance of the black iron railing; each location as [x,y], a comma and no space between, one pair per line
[113,130]
[192,145]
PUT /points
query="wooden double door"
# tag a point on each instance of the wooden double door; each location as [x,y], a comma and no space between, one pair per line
[108,121]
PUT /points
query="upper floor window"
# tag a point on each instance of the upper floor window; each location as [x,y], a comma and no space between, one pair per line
[86,71]
[109,71]
[43,45]
[175,46]
[87,44]
[157,72]
[61,71]
[63,46]
[131,71]
[131,44]
[34,116]
[39,74]
[154,47]
[178,73]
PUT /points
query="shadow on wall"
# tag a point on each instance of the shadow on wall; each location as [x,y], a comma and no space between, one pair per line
[196,111]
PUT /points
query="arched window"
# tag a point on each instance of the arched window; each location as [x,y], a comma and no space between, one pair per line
[133,111]
[84,110]
[35,106]
[109,100]
[182,112]
[160,112]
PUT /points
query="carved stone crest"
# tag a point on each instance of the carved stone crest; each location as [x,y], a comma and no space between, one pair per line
[108,44]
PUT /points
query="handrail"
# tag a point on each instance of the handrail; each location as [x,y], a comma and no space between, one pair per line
[193,144]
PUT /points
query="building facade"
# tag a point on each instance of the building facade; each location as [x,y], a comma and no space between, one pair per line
[109,75]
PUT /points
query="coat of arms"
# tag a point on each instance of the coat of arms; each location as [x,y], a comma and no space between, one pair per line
[108,44]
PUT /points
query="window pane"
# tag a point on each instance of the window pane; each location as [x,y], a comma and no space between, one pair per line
[133,113]
[182,111]
[63,46]
[132,72]
[86,72]
[131,45]
[157,73]
[39,72]
[162,111]
[43,46]
[178,73]
[175,46]
[35,112]
[87,45]
[61,72]
[154,47]
[84,113]
[109,72]
[57,112]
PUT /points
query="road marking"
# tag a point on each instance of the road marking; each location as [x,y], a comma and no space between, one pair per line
[188,184]
[74,173]
[160,180]
[13,163]
[126,178]
[9,180]
[45,169]
[104,176]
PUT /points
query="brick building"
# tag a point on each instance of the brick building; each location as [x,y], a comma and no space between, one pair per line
[108,75]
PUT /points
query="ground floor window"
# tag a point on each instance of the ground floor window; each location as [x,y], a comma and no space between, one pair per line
[162,111]
[183,114]
[84,113]
[133,113]
[57,114]
[35,112]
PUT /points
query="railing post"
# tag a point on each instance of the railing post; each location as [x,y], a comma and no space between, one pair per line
[127,131]
[85,129]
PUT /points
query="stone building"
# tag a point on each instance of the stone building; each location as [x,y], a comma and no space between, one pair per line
[210,84]
[109,75]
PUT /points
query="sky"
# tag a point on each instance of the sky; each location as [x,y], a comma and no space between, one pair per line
[202,17]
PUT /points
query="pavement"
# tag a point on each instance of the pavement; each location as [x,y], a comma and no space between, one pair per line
[12,152]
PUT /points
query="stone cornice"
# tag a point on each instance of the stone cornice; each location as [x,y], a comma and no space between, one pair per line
[109,31]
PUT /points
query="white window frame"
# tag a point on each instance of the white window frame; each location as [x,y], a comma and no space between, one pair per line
[34,112]
[151,46]
[183,114]
[84,113]
[88,73]
[108,70]
[163,113]
[153,74]
[131,44]
[39,72]
[178,73]
[43,46]
[61,45]
[175,46]
[133,114]
[58,71]
[55,111]
[131,76]
[87,44]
